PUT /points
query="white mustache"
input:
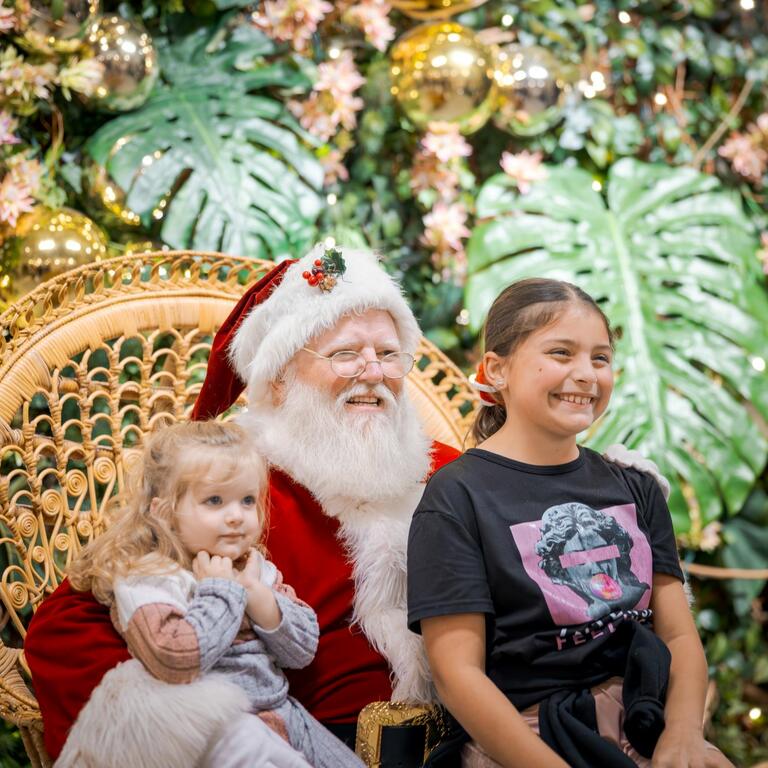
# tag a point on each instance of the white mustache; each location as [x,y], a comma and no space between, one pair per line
[363,390]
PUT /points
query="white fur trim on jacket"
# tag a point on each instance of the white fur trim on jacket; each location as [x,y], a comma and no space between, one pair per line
[295,312]
[133,719]
[376,538]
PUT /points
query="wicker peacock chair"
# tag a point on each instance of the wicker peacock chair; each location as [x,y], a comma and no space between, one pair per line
[90,362]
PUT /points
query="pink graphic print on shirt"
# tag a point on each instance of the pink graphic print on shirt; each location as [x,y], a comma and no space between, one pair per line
[587,562]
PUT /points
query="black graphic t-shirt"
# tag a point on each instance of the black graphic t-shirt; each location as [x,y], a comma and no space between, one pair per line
[556,557]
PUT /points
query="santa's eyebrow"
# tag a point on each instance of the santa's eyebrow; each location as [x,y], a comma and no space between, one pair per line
[356,343]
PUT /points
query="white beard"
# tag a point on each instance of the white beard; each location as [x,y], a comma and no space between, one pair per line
[367,470]
[370,456]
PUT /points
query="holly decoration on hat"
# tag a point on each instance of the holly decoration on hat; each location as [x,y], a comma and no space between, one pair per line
[326,270]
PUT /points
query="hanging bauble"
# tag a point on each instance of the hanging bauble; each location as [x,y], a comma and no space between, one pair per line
[104,198]
[58,26]
[441,72]
[532,88]
[126,51]
[51,242]
[431,10]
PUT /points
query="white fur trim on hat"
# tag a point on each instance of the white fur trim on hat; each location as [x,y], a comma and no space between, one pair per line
[295,312]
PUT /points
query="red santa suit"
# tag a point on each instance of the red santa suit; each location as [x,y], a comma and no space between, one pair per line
[71,642]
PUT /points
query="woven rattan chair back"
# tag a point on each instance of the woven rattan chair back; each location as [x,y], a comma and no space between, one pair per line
[89,363]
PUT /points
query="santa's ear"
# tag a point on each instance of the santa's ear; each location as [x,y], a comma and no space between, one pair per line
[277,391]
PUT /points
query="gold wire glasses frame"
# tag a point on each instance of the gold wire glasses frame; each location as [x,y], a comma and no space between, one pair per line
[349,364]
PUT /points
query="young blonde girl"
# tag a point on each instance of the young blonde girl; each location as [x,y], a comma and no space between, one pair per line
[183,571]
[545,579]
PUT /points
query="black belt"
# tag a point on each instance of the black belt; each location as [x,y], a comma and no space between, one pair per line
[402,746]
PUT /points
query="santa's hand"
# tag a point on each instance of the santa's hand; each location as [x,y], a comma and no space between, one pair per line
[625,457]
[206,566]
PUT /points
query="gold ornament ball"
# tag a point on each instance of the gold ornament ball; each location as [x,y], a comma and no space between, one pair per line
[532,88]
[430,10]
[58,27]
[53,241]
[126,51]
[105,199]
[441,72]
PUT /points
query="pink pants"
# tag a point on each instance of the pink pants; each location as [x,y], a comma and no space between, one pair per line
[610,724]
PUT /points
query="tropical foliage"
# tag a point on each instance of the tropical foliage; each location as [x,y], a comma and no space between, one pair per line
[670,255]
[206,131]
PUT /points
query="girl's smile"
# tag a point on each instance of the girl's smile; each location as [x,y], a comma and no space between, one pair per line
[575,399]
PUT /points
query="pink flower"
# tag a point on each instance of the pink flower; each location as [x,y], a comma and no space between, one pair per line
[437,164]
[8,125]
[339,76]
[331,102]
[21,83]
[762,123]
[710,537]
[445,227]
[15,199]
[372,16]
[747,157]
[429,174]
[314,117]
[7,19]
[291,20]
[444,141]
[524,167]
[24,172]
[334,167]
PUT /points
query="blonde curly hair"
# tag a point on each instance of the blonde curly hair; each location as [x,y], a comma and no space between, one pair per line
[142,537]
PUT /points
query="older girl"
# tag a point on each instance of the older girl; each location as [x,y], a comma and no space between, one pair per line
[545,579]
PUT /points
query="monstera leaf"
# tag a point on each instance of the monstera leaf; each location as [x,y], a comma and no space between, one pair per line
[671,258]
[222,166]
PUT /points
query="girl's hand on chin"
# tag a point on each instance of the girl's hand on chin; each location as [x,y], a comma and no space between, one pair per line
[206,566]
[249,574]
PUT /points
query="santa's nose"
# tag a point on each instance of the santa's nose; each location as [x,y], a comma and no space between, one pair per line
[372,373]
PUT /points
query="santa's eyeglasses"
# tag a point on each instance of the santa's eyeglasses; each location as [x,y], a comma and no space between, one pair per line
[349,364]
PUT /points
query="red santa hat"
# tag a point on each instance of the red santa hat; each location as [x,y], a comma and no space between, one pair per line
[280,313]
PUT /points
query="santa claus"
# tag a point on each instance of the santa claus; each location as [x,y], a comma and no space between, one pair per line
[322,346]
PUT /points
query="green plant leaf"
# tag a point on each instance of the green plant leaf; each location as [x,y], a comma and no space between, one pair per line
[746,546]
[671,258]
[222,166]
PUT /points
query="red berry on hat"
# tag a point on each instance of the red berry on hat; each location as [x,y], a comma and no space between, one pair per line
[318,262]
[305,275]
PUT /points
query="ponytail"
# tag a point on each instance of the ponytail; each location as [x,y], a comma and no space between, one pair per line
[489,419]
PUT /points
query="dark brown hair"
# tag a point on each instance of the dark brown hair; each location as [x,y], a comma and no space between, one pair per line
[519,310]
